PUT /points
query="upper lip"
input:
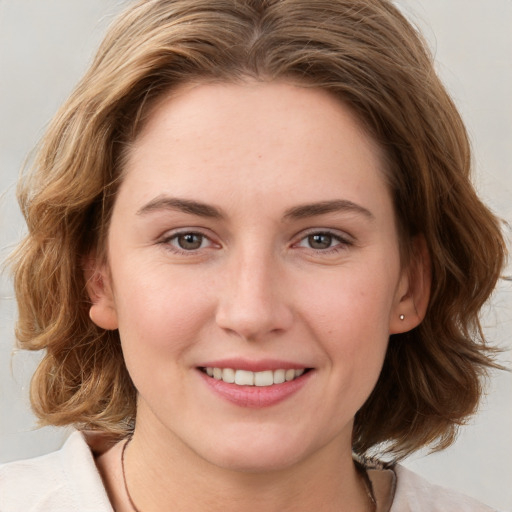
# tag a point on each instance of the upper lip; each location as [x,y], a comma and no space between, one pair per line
[253,366]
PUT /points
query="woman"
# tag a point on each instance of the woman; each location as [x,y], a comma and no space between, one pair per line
[254,258]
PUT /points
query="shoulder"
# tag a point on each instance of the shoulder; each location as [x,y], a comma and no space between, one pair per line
[413,492]
[65,480]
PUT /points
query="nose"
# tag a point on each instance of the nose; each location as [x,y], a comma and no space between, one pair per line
[253,302]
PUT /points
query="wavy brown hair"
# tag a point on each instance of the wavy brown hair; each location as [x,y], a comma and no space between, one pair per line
[362,51]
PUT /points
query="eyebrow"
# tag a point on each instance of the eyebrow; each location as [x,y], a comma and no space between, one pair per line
[324,207]
[295,213]
[182,205]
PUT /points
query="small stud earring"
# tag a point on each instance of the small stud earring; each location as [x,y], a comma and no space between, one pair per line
[402,317]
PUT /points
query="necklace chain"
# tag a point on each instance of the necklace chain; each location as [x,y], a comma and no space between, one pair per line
[368,488]
[132,504]
[366,480]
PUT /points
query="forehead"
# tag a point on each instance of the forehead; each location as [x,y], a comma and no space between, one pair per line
[251,139]
[196,108]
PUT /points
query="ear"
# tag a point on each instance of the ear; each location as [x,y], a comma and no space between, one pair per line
[98,283]
[413,292]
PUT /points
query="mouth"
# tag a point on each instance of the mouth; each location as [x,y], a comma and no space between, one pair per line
[258,379]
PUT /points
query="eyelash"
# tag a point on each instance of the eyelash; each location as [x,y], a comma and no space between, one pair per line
[341,242]
[167,242]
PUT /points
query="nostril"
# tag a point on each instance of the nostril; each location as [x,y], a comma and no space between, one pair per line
[252,321]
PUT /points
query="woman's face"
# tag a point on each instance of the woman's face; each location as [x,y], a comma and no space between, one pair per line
[253,239]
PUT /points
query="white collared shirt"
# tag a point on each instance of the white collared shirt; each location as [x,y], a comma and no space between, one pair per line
[68,481]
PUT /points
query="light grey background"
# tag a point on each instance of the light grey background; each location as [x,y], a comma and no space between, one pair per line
[46,45]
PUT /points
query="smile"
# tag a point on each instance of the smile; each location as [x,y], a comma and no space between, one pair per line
[248,378]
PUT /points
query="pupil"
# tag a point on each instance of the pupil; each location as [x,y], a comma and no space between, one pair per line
[321,241]
[190,241]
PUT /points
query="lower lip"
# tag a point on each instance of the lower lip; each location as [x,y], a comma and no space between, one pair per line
[256,397]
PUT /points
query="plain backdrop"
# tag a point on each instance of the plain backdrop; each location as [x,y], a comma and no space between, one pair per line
[45,46]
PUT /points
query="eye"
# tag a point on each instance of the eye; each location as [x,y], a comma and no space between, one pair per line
[320,240]
[323,241]
[189,241]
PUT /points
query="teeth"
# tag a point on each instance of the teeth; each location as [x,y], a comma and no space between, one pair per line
[228,375]
[279,376]
[247,378]
[264,378]
[243,378]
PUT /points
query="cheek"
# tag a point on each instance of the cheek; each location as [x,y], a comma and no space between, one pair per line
[350,311]
[351,298]
[159,314]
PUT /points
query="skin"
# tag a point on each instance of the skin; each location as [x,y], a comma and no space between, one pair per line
[255,286]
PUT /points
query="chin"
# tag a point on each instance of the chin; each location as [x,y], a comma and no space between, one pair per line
[252,451]
[255,460]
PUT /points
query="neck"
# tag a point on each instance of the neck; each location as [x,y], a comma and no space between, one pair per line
[168,472]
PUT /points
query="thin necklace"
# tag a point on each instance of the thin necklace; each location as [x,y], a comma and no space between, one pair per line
[364,474]
[132,504]
[369,490]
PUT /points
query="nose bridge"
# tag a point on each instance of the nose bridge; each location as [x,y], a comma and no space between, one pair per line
[251,303]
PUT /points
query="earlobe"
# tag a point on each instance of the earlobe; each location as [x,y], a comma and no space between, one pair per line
[98,284]
[413,291]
